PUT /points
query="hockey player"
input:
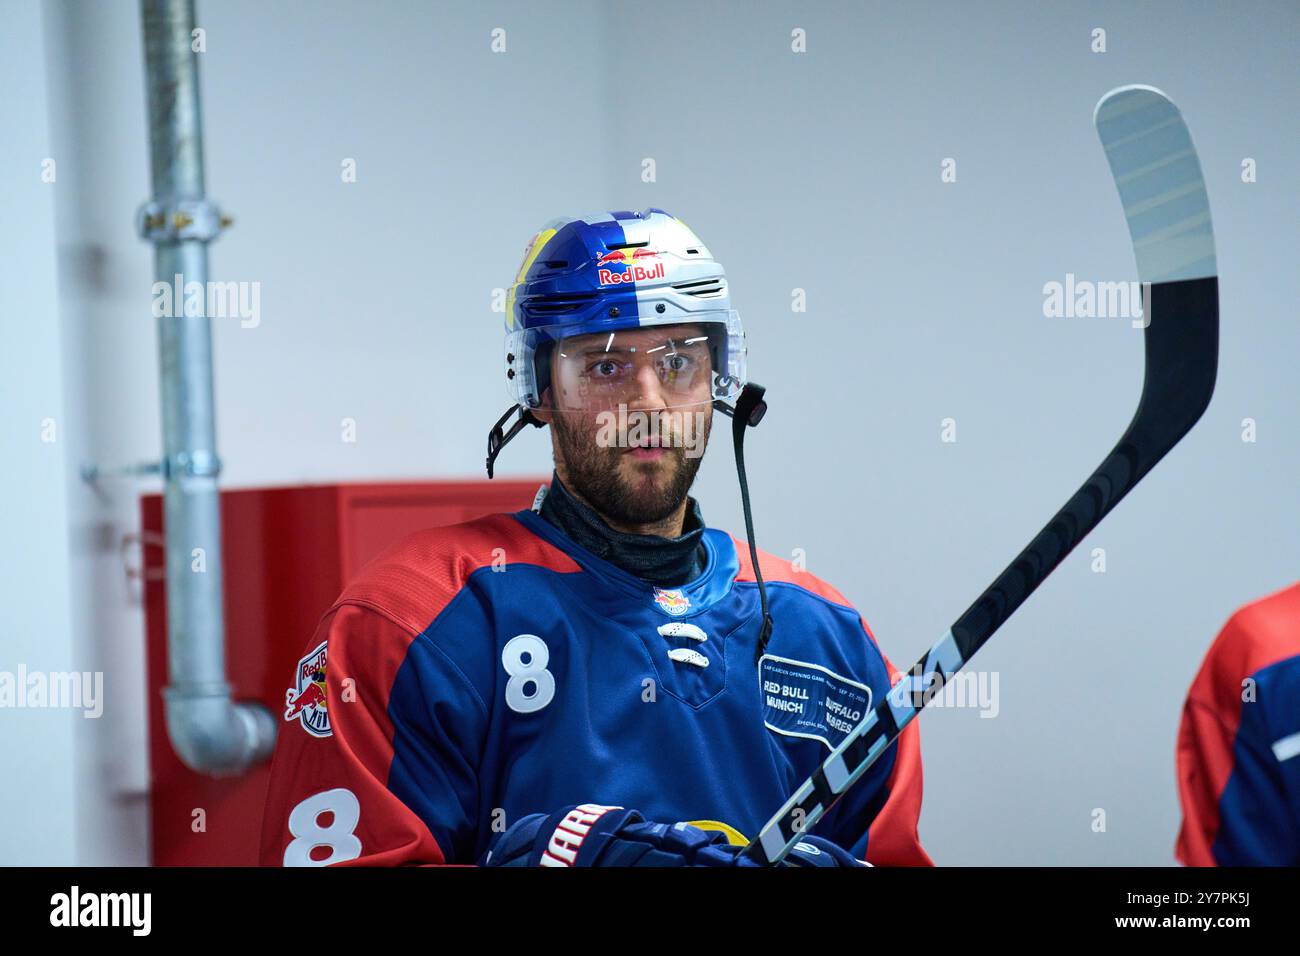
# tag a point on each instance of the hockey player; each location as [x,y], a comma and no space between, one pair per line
[600,679]
[1239,743]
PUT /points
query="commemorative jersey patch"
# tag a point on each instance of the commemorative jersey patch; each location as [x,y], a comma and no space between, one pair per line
[807,700]
[306,701]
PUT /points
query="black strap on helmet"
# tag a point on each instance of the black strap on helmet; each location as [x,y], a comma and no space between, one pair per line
[497,439]
[748,412]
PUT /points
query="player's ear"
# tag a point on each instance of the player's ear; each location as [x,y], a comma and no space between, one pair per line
[543,412]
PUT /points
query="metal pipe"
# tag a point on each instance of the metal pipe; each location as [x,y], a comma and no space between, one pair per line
[208,730]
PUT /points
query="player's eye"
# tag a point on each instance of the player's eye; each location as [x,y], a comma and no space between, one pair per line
[606,369]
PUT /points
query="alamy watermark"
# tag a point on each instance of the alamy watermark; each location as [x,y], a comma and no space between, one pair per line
[74,908]
[67,690]
[977,690]
[656,428]
[213,300]
[1084,299]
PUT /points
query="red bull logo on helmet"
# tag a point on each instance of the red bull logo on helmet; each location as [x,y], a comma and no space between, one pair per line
[306,700]
[637,265]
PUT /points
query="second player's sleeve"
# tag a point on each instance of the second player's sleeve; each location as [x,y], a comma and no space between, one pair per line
[1235,807]
[389,777]
[1232,783]
[1257,821]
[1204,763]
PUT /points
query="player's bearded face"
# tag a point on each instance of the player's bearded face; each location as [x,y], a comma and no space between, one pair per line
[632,419]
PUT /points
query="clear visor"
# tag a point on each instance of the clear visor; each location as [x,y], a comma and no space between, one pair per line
[639,369]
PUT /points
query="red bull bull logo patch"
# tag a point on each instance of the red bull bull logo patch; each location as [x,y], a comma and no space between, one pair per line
[306,700]
[636,265]
[673,602]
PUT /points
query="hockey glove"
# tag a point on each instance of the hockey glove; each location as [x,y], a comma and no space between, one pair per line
[594,835]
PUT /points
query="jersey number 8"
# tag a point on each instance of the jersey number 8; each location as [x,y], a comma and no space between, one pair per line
[531,686]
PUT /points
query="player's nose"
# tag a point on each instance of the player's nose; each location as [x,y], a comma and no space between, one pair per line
[648,388]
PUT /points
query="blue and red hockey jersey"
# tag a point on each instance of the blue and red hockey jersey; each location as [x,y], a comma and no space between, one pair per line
[475,674]
[1239,743]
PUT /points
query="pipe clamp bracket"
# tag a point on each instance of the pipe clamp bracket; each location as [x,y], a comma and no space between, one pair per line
[191,464]
[178,220]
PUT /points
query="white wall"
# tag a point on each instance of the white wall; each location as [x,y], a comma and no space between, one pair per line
[816,171]
[37,802]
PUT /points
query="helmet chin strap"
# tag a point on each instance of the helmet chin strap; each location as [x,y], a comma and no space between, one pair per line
[497,439]
[747,413]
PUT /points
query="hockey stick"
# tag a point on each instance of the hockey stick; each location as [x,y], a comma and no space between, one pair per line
[1162,190]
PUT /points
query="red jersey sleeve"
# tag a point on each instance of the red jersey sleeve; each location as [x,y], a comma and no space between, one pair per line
[331,799]
[1203,764]
[892,838]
